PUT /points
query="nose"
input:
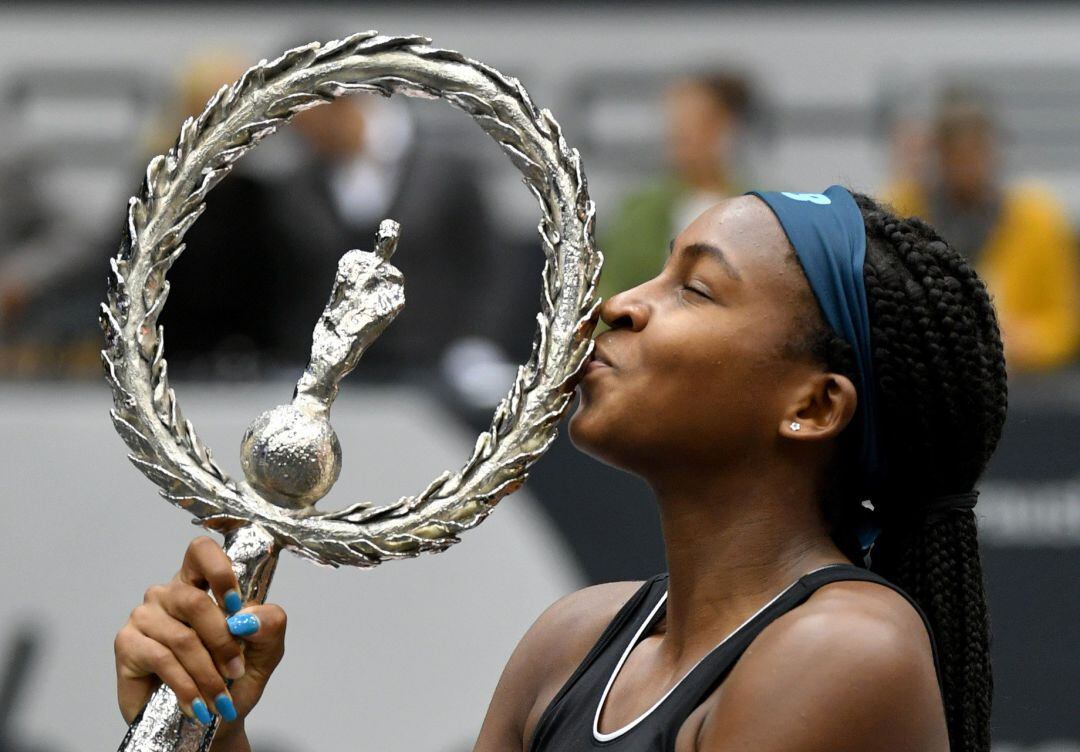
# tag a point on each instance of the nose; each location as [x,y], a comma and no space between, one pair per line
[626,310]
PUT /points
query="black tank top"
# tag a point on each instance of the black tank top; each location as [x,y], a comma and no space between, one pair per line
[569,724]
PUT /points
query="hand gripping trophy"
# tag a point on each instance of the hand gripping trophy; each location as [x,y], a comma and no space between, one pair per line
[290,455]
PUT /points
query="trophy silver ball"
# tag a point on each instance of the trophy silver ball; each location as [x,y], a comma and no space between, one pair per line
[290,456]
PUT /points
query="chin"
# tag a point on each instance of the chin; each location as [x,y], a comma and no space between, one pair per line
[578,418]
[589,434]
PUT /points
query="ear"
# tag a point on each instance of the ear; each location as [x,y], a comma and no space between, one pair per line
[822,409]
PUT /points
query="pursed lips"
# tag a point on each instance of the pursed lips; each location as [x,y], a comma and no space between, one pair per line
[597,361]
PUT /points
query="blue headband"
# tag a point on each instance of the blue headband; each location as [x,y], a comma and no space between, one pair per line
[829,237]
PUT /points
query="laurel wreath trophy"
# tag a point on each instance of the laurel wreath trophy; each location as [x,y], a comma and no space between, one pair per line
[290,455]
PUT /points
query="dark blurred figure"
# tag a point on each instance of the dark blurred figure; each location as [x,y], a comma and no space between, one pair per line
[1017,236]
[38,246]
[223,286]
[17,661]
[705,116]
[227,287]
[261,260]
[22,220]
[363,162]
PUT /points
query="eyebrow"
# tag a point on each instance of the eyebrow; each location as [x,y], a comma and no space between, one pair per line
[708,250]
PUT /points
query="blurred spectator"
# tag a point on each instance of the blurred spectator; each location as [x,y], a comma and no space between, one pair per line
[38,245]
[262,258]
[50,292]
[22,220]
[362,162]
[910,145]
[1018,236]
[705,114]
[226,289]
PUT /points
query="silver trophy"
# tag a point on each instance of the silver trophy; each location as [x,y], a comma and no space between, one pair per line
[290,455]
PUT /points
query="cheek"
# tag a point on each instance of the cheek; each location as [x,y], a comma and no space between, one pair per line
[699,392]
[665,399]
[721,388]
[622,417]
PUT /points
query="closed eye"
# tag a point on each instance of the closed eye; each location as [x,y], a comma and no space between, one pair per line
[697,291]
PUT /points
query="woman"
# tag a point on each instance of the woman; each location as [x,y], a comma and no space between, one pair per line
[797,354]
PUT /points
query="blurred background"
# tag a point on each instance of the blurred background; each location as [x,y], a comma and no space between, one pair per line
[967,114]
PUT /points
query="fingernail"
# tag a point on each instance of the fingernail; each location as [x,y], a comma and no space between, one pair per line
[224,705]
[234,669]
[198,707]
[243,625]
[232,601]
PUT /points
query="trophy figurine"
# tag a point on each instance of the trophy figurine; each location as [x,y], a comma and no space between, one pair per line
[290,455]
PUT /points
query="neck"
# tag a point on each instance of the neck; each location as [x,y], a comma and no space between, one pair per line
[732,544]
[969,198]
[710,179]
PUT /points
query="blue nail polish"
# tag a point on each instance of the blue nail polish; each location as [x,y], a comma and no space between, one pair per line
[198,707]
[233,602]
[224,705]
[243,625]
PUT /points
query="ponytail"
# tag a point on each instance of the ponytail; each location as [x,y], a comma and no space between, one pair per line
[938,565]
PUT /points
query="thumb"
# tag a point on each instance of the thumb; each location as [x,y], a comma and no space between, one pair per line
[262,630]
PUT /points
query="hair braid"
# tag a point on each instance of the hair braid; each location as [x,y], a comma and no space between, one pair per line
[939,368]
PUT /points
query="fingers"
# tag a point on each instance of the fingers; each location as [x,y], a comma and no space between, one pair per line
[180,636]
[262,629]
[206,565]
[187,605]
[175,652]
[259,625]
[138,660]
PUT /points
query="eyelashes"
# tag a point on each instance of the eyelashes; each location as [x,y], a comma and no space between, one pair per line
[696,291]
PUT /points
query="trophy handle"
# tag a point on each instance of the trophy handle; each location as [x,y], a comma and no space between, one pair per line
[161,726]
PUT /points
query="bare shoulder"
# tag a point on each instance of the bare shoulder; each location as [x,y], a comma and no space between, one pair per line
[588,610]
[562,636]
[544,659]
[863,616]
[852,668]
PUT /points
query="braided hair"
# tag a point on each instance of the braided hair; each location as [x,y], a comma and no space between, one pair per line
[940,372]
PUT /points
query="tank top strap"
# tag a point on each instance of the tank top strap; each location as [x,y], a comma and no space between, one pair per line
[619,631]
[715,667]
[626,620]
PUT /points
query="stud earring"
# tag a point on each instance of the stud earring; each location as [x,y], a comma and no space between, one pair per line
[795,426]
